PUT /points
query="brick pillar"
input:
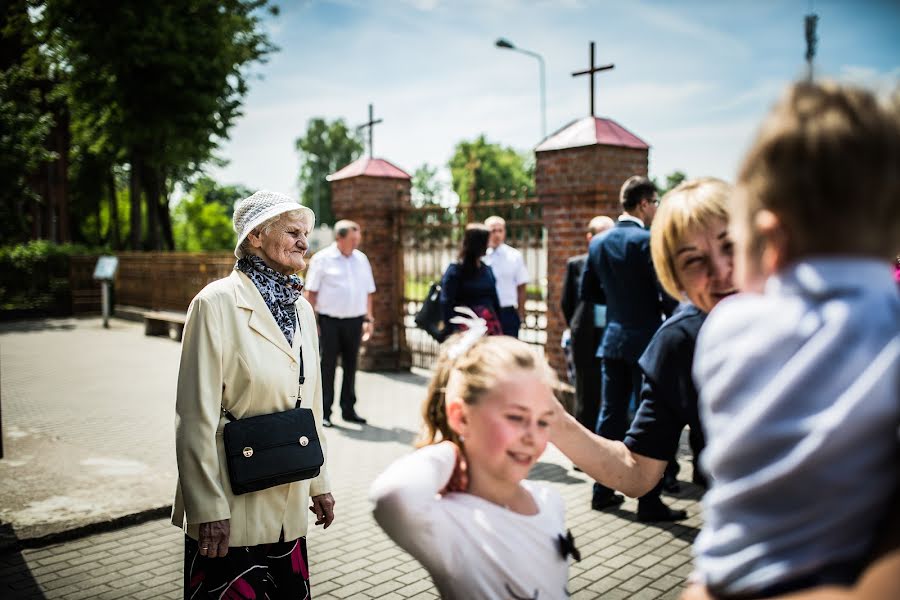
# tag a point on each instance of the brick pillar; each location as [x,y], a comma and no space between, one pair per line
[578,174]
[371,192]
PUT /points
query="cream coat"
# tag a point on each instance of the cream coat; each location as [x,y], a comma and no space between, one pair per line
[234,355]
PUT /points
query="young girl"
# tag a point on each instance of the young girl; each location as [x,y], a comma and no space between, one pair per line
[487,417]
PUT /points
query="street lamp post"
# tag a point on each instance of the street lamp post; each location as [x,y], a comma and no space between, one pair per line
[504,43]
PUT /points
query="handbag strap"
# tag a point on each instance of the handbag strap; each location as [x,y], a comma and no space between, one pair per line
[228,415]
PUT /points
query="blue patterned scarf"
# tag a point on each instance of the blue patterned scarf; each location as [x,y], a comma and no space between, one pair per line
[278,291]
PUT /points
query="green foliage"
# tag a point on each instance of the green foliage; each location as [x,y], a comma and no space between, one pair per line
[25,121]
[202,220]
[35,276]
[490,168]
[673,180]
[427,190]
[323,149]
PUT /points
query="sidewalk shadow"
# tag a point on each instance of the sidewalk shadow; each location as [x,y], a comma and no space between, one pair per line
[371,433]
[676,528]
[17,582]
[410,377]
[544,471]
[31,326]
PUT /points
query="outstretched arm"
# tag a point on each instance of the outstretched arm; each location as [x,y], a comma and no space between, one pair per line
[609,462]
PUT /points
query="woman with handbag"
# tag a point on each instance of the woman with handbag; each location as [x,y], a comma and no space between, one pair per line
[250,348]
[470,282]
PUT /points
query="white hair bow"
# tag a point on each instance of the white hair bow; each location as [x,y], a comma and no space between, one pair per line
[476,327]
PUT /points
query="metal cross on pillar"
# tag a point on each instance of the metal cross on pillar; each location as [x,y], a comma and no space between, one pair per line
[371,125]
[591,72]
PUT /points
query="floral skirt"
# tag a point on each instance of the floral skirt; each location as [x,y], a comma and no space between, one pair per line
[273,571]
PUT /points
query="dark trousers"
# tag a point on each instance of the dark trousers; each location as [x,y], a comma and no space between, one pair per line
[510,321]
[339,337]
[621,383]
[588,392]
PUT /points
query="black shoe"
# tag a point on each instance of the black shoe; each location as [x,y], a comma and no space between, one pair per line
[326,422]
[354,418]
[658,511]
[609,501]
[670,484]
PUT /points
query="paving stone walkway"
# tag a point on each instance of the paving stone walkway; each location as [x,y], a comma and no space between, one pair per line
[352,559]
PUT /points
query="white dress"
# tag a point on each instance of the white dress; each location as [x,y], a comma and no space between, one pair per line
[472,548]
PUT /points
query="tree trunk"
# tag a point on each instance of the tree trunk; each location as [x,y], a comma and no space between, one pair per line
[114,240]
[151,193]
[134,193]
[165,218]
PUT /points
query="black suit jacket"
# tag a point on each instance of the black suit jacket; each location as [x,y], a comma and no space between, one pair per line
[619,268]
[579,315]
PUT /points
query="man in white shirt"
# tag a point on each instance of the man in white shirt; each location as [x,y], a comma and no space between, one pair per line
[509,270]
[339,285]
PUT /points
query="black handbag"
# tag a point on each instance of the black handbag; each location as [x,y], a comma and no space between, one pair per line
[274,449]
[430,318]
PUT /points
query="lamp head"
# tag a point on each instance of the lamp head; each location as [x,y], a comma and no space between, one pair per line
[503,43]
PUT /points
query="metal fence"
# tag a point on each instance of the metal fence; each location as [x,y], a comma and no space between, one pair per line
[430,238]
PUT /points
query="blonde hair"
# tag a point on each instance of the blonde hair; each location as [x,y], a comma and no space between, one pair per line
[690,207]
[825,162]
[475,374]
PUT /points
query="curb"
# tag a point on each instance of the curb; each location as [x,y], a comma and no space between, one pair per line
[12,544]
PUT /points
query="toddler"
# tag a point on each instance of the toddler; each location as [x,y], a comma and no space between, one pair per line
[800,382]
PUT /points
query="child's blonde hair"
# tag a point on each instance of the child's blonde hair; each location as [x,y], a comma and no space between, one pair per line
[826,162]
[490,360]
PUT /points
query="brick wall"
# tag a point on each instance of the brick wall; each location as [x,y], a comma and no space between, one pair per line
[574,185]
[373,202]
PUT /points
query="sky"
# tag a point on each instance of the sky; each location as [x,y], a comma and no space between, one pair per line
[692,78]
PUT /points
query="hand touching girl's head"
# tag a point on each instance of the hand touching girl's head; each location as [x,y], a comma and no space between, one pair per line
[495,400]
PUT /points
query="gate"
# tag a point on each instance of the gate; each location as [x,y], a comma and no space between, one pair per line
[430,238]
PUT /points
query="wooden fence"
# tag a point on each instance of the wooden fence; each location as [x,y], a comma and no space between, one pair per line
[153,280]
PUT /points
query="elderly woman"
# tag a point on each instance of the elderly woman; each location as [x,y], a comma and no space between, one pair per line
[692,255]
[248,339]
[470,282]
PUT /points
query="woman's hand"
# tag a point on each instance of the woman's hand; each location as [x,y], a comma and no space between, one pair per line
[214,538]
[323,507]
[459,479]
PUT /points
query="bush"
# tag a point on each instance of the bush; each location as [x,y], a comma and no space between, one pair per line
[34,278]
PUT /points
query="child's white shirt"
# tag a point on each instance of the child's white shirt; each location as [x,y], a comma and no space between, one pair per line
[472,548]
[800,400]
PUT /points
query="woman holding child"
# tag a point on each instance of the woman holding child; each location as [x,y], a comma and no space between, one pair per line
[693,257]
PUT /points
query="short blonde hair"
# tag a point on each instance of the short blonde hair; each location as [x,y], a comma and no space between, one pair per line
[476,373]
[692,206]
[268,225]
[826,162]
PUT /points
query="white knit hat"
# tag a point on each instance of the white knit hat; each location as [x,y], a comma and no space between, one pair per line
[253,211]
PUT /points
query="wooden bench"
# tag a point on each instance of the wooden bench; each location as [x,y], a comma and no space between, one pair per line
[164,322]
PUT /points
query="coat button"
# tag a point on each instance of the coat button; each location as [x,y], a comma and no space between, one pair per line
[304,441]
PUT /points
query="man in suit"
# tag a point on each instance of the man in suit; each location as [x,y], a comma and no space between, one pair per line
[619,270]
[586,324]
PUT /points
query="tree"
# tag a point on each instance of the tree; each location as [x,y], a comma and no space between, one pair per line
[490,168]
[427,190]
[323,149]
[160,83]
[673,180]
[202,220]
[26,120]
